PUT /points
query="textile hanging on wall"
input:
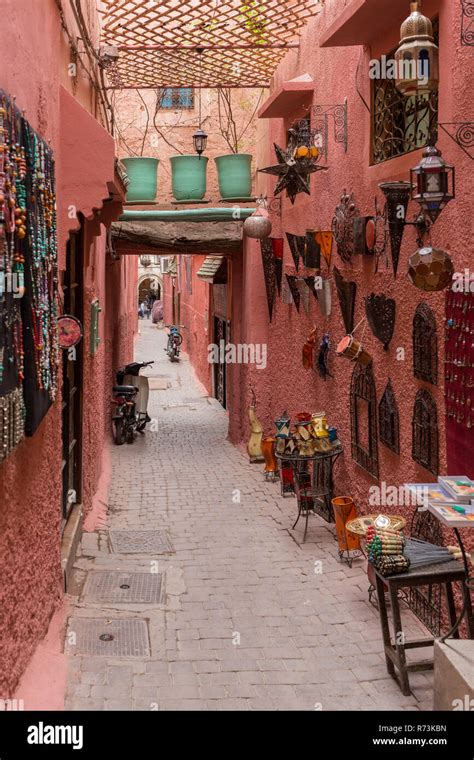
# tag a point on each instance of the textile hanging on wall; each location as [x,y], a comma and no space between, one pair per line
[286,296]
[29,350]
[292,284]
[277,244]
[304,294]
[297,245]
[268,261]
[310,284]
[189,273]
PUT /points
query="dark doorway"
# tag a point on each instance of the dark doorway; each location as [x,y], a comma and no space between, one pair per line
[72,381]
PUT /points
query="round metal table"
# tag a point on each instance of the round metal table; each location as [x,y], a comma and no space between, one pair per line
[316,494]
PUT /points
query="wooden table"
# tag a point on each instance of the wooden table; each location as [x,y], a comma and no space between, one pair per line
[395,655]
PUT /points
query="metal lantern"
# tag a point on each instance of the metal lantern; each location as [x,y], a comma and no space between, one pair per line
[417,57]
[258,225]
[200,141]
[430,269]
[433,183]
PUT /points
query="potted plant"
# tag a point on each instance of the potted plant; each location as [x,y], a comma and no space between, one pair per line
[142,170]
[188,176]
[142,173]
[234,169]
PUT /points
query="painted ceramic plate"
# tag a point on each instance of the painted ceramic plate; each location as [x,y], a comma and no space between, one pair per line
[70,331]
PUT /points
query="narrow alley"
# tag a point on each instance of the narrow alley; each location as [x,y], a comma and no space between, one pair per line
[247,617]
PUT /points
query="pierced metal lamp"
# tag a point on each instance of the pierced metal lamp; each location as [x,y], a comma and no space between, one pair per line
[417,56]
[433,183]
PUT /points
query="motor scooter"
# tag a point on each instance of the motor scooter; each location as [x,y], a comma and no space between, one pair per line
[174,342]
[131,401]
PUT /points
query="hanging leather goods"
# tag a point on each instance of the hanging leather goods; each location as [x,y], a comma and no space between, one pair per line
[308,350]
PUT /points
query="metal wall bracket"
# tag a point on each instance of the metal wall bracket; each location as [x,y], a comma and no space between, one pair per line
[320,115]
[461,132]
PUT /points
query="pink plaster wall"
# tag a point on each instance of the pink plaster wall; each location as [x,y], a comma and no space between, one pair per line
[285,384]
[33,63]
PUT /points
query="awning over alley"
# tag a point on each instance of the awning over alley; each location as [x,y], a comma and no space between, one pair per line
[199,43]
[213,270]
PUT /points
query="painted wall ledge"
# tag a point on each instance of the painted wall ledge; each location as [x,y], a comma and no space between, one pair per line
[290,96]
[364,21]
[88,179]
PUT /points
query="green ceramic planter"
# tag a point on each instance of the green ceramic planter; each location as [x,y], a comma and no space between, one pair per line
[189,177]
[234,173]
[142,173]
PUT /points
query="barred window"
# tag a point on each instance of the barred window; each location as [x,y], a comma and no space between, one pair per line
[401,124]
[174,98]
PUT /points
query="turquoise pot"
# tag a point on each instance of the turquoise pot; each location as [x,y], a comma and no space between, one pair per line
[234,173]
[142,173]
[189,177]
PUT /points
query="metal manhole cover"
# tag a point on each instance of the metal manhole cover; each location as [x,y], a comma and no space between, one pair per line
[123,588]
[110,638]
[140,542]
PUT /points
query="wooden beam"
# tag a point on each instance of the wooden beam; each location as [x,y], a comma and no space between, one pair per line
[184,237]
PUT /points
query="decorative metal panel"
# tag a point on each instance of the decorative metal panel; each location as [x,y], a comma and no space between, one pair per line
[425,443]
[425,344]
[363,400]
[343,225]
[380,312]
[389,420]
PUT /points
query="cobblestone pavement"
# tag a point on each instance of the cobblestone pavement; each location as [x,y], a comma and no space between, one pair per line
[247,622]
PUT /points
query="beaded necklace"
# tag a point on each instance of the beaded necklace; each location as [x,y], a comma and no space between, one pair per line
[41,225]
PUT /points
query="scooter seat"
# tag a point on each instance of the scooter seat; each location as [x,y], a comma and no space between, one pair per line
[125,389]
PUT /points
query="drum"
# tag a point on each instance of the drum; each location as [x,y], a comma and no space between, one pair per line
[351,349]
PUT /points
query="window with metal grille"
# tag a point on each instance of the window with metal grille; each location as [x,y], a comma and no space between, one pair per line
[425,444]
[400,123]
[425,345]
[174,98]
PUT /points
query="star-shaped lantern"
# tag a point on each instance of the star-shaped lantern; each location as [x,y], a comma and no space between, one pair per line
[295,165]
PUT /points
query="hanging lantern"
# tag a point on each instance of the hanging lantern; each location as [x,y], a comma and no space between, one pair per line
[430,269]
[417,57]
[258,225]
[433,183]
[200,141]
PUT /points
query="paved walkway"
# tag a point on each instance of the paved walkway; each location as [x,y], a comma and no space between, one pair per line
[246,622]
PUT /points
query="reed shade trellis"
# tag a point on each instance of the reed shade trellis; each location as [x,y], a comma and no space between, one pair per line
[242,41]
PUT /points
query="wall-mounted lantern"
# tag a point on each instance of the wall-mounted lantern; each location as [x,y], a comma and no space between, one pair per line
[433,183]
[200,141]
[417,56]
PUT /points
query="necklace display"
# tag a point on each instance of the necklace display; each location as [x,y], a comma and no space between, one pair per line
[28,270]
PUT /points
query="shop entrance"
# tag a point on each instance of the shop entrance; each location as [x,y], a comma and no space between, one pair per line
[72,382]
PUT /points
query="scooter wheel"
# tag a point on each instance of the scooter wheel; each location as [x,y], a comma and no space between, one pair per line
[130,435]
[119,432]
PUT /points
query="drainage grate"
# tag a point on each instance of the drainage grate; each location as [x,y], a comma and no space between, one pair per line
[140,542]
[110,638]
[123,588]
